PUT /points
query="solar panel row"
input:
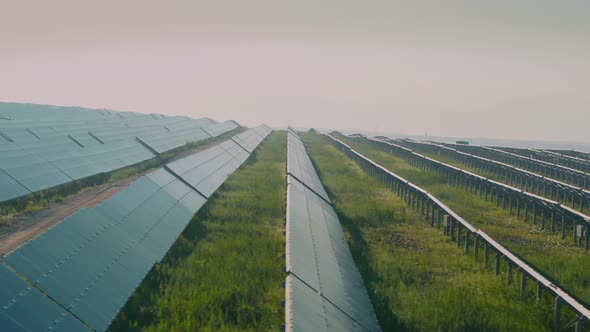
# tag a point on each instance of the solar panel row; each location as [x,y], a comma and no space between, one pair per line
[221,128]
[309,311]
[163,142]
[325,291]
[250,139]
[46,146]
[299,165]
[91,262]
[206,172]
[23,308]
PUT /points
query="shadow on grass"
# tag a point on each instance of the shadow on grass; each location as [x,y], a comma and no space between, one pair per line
[363,258]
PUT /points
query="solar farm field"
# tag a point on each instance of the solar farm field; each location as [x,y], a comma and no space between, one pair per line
[417,279]
[85,267]
[225,269]
[561,260]
[119,221]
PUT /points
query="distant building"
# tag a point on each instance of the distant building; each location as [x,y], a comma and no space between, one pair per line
[462,142]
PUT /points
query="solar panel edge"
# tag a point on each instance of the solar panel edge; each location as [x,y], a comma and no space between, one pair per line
[288,304]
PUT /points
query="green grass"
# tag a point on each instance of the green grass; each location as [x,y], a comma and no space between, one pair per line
[38,200]
[556,258]
[416,278]
[225,272]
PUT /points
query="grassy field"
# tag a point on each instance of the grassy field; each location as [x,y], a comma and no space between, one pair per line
[39,200]
[225,272]
[417,279]
[557,258]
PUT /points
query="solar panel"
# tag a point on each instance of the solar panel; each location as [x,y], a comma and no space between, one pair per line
[251,138]
[107,295]
[182,123]
[262,131]
[42,254]
[113,156]
[245,139]
[300,166]
[30,170]
[124,202]
[43,146]
[307,310]
[18,133]
[235,150]
[79,132]
[210,184]
[186,164]
[317,254]
[26,309]
[220,128]
[171,140]
[76,167]
[205,171]
[10,188]
[93,261]
[58,149]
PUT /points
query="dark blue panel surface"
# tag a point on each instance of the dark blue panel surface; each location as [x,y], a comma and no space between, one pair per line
[26,309]
[10,188]
[307,310]
[93,261]
[248,139]
[220,128]
[318,255]
[171,140]
[300,166]
[206,170]
[30,170]
[44,146]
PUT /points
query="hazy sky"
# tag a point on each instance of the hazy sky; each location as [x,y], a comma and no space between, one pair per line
[503,69]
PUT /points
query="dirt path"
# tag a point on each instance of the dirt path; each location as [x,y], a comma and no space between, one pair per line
[26,226]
